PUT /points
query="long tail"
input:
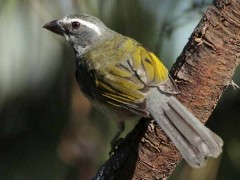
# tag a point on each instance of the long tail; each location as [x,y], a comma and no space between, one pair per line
[194,140]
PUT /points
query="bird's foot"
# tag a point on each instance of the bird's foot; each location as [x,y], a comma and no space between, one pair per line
[115,144]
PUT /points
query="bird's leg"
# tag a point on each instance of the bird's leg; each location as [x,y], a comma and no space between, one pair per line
[116,140]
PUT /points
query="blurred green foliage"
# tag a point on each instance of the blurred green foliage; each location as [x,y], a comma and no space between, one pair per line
[47,128]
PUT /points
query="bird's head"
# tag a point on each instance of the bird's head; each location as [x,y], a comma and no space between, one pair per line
[81,30]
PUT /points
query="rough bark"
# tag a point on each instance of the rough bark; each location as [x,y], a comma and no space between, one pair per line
[202,71]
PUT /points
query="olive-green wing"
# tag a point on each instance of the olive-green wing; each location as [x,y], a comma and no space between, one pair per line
[127,83]
[121,87]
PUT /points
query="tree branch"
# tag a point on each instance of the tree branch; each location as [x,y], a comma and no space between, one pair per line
[202,71]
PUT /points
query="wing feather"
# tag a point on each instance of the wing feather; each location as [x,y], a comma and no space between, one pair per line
[126,82]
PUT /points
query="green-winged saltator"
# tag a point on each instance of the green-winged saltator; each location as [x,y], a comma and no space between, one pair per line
[125,81]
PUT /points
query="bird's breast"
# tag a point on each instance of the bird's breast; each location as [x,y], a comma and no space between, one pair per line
[85,77]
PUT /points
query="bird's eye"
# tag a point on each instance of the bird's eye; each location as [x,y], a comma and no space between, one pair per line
[75,25]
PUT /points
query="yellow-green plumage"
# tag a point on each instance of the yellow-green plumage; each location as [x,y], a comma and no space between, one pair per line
[124,71]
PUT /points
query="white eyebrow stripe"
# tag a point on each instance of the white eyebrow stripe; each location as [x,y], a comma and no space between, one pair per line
[89,25]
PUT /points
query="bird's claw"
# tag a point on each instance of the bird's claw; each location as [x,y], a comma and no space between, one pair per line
[115,143]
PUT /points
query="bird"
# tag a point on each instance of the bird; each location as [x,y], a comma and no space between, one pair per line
[126,81]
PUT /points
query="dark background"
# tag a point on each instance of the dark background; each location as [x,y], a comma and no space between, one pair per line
[48,130]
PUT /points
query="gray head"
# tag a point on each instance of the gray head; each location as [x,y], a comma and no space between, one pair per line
[81,30]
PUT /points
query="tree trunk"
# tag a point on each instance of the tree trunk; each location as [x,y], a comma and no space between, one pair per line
[202,71]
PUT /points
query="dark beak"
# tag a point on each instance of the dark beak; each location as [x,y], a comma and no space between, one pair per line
[55,27]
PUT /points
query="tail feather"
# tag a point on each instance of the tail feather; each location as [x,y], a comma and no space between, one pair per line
[194,140]
[199,135]
[189,152]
